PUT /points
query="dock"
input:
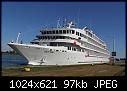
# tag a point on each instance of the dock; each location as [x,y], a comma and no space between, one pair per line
[83,70]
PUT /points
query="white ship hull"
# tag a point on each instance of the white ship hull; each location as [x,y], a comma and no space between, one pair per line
[47,55]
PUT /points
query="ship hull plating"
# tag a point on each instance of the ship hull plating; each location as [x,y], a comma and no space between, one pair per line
[44,55]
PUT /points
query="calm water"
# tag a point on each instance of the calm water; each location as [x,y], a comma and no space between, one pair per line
[13,61]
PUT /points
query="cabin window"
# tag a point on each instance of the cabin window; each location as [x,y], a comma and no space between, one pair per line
[45,37]
[74,49]
[86,32]
[67,31]
[79,37]
[56,31]
[82,50]
[69,48]
[51,37]
[57,37]
[48,37]
[89,34]
[60,37]
[80,34]
[44,32]
[76,33]
[63,37]
[64,31]
[38,37]
[60,31]
[54,37]
[50,32]
[47,32]
[62,50]
[53,32]
[73,31]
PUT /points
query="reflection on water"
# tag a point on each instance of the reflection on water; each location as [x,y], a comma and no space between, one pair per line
[9,60]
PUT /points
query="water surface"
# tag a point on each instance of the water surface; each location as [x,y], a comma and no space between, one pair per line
[11,60]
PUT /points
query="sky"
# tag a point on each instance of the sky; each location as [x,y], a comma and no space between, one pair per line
[106,19]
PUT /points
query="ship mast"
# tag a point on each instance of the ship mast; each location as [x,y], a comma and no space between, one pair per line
[18,37]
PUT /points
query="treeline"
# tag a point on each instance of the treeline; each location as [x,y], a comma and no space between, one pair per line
[11,52]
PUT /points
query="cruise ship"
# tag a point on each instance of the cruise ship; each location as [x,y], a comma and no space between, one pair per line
[66,45]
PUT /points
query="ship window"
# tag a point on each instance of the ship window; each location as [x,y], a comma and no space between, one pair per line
[62,50]
[47,32]
[67,31]
[50,32]
[60,31]
[59,37]
[64,31]
[73,31]
[74,49]
[70,31]
[76,33]
[56,37]
[86,32]
[89,34]
[69,48]
[81,35]
[64,37]
[51,37]
[53,32]
[45,37]
[56,31]
[38,37]
[44,32]
[48,37]
[82,50]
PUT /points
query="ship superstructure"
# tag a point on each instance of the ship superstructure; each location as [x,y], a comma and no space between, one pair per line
[65,45]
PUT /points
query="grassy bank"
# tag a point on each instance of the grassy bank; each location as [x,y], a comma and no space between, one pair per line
[73,70]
